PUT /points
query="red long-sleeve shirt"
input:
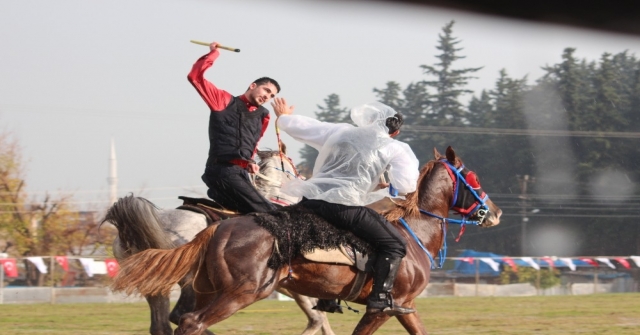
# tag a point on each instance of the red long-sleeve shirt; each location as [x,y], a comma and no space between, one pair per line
[215,98]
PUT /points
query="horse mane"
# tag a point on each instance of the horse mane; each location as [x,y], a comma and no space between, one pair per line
[264,154]
[275,169]
[270,153]
[409,207]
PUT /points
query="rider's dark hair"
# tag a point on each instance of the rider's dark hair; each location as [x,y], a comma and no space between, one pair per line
[394,123]
[266,80]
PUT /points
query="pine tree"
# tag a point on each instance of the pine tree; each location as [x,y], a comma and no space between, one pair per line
[446,108]
[479,109]
[390,96]
[442,107]
[412,105]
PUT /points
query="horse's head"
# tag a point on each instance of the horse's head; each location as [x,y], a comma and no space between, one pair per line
[467,197]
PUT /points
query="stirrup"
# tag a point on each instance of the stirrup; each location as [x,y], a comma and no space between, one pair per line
[328,305]
[383,303]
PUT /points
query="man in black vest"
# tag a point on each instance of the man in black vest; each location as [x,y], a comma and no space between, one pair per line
[236,124]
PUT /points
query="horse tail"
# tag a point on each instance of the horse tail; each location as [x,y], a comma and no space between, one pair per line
[155,271]
[138,225]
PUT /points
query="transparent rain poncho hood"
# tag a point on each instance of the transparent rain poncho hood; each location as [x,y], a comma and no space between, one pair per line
[352,159]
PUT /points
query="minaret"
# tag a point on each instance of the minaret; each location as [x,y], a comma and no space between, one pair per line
[113,175]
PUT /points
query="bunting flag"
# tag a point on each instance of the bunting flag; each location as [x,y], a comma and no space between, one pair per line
[606,261]
[568,262]
[63,261]
[39,263]
[112,266]
[98,268]
[469,259]
[511,263]
[623,262]
[10,267]
[590,261]
[87,263]
[530,261]
[549,261]
[493,264]
[636,259]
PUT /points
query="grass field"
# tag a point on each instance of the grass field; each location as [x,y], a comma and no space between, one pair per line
[617,314]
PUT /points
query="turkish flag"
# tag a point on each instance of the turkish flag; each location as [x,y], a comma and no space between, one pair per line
[624,262]
[63,261]
[511,263]
[10,268]
[112,266]
[590,261]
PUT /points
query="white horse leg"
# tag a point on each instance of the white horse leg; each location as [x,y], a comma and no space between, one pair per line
[316,320]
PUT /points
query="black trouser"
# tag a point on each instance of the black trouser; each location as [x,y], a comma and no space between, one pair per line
[363,222]
[230,186]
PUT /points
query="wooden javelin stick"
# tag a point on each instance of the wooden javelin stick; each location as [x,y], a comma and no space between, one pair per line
[219,46]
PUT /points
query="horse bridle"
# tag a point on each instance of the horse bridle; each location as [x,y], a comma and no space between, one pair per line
[467,208]
[478,208]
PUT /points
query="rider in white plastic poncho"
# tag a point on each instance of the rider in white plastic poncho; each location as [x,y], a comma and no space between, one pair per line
[352,159]
[346,177]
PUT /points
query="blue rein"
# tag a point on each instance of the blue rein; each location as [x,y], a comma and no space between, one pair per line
[442,253]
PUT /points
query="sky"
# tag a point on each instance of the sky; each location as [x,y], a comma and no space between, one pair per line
[76,74]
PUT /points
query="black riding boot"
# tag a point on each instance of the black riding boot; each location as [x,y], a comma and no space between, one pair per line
[328,305]
[384,275]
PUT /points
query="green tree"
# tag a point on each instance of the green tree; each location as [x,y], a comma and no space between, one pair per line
[390,96]
[39,228]
[547,278]
[480,109]
[436,102]
[412,103]
[498,158]
[449,83]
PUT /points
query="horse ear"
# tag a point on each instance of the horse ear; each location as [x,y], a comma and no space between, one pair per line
[436,154]
[451,155]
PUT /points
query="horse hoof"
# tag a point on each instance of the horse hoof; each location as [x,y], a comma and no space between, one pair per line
[329,306]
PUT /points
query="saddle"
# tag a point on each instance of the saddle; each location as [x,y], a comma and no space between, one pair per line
[300,232]
[211,210]
[347,255]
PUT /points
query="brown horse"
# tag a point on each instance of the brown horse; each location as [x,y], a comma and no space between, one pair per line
[231,260]
[141,225]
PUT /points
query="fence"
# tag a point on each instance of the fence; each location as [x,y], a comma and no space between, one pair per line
[486,274]
[479,275]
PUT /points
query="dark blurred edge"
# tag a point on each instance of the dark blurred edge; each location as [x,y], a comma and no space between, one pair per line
[612,15]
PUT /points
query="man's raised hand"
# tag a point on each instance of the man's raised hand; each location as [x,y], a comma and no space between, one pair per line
[280,107]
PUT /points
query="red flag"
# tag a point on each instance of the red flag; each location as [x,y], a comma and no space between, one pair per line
[549,261]
[511,263]
[590,261]
[9,266]
[467,259]
[63,261]
[112,266]
[623,262]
